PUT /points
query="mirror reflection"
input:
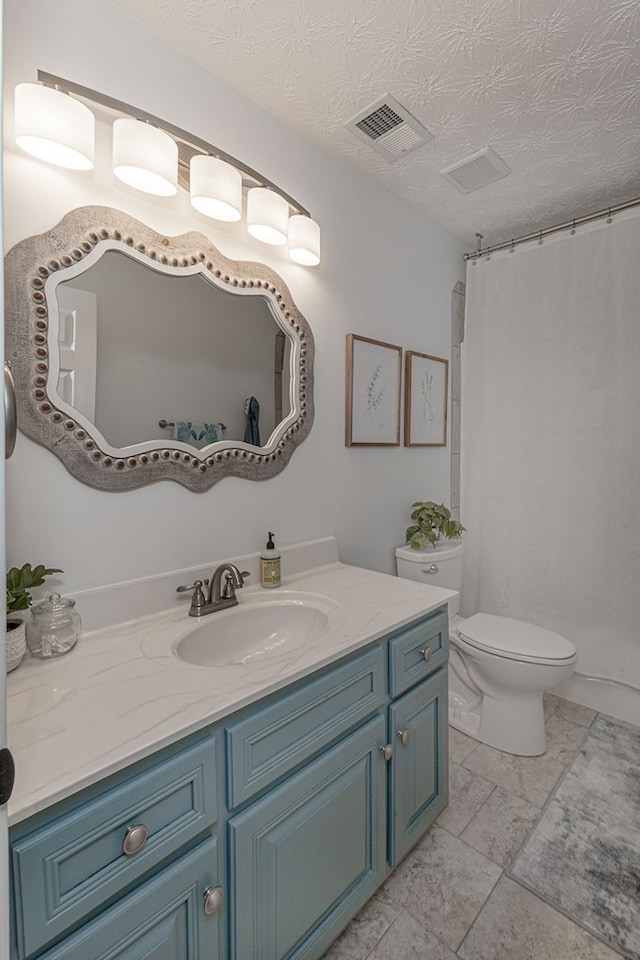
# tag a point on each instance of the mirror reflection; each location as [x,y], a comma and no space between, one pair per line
[145,355]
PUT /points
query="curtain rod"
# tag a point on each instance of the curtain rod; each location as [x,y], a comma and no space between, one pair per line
[539,234]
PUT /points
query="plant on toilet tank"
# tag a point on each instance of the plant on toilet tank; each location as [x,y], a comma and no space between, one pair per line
[432,523]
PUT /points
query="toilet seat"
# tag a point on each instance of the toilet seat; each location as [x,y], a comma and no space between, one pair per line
[515,639]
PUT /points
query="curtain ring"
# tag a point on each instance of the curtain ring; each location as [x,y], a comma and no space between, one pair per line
[512,247]
[540,240]
[609,218]
[573,228]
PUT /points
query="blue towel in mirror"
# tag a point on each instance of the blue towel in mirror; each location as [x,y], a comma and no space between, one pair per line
[182,431]
[208,434]
[198,434]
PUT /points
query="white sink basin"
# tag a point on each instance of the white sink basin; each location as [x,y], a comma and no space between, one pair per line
[257,630]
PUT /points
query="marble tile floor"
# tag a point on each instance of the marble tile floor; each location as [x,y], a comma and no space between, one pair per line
[450,898]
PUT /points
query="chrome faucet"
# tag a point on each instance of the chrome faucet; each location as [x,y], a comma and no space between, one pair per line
[221,593]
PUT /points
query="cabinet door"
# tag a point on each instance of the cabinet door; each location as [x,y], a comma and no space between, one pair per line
[310,853]
[74,865]
[419,766]
[163,920]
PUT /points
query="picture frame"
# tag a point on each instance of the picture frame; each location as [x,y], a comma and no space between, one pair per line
[373,393]
[426,383]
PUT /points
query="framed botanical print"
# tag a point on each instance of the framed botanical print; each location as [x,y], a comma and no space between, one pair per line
[425,400]
[374,372]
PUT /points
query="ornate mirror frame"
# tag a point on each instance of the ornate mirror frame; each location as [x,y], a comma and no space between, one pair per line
[33,269]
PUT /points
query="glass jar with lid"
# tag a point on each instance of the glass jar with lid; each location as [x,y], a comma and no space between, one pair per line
[54,627]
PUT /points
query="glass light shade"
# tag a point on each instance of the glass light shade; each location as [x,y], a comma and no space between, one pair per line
[145,158]
[267,216]
[54,127]
[304,240]
[216,188]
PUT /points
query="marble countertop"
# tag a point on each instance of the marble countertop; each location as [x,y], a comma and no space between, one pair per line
[121,693]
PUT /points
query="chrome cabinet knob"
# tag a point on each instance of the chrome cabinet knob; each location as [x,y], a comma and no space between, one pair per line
[212,899]
[404,737]
[426,653]
[134,839]
[387,751]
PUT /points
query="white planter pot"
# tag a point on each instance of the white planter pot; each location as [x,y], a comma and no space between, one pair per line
[16,644]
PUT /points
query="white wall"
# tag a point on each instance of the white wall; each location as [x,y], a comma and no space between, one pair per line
[386,273]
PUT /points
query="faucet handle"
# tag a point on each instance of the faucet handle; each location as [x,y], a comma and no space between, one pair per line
[198,599]
[196,585]
[231,584]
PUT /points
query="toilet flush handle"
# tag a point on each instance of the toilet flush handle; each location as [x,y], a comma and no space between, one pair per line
[432,569]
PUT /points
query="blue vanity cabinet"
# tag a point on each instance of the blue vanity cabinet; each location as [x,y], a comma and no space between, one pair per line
[263,835]
[138,850]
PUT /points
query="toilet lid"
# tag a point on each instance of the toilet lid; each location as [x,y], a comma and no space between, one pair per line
[514,638]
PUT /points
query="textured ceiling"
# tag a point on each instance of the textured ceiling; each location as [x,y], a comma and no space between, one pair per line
[552,85]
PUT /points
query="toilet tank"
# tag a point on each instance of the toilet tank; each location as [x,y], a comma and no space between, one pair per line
[440,566]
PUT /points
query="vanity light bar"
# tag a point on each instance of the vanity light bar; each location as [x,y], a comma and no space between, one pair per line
[212,200]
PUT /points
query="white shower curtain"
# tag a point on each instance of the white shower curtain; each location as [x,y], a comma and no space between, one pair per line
[551,440]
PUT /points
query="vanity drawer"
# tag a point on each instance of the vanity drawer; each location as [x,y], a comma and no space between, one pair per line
[162,918]
[280,736]
[417,652]
[72,866]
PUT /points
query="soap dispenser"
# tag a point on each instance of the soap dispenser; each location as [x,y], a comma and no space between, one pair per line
[270,564]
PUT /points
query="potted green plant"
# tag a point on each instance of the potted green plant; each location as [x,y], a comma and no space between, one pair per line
[20,580]
[432,523]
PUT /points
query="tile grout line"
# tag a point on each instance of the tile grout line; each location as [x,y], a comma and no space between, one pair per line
[458,836]
[379,940]
[515,797]
[480,909]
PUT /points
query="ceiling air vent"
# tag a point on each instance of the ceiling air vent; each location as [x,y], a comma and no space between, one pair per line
[476,171]
[389,129]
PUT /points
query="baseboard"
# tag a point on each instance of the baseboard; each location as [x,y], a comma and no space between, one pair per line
[606,696]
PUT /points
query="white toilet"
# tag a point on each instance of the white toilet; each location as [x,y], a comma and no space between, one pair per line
[499,668]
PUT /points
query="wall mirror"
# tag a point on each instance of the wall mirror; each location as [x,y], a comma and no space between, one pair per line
[139,357]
